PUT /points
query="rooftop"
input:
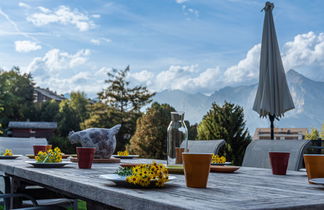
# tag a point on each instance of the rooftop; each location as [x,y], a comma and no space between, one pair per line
[26,124]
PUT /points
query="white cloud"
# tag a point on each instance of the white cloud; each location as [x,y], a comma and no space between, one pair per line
[143,77]
[63,15]
[44,10]
[305,53]
[96,16]
[99,41]
[24,5]
[65,72]
[247,69]
[181,1]
[26,46]
[54,61]
[95,41]
[187,11]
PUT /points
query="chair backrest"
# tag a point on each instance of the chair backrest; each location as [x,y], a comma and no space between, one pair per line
[204,146]
[257,152]
[20,146]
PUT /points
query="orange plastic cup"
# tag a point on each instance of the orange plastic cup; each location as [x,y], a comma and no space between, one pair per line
[196,168]
[314,165]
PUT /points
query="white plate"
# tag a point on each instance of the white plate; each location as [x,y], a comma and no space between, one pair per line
[302,169]
[126,156]
[121,180]
[9,157]
[47,165]
[221,164]
[317,181]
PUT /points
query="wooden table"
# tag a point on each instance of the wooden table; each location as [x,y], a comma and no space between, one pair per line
[248,188]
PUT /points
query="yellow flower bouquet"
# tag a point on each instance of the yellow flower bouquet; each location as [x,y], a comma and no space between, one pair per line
[8,152]
[50,156]
[145,174]
[216,159]
[123,153]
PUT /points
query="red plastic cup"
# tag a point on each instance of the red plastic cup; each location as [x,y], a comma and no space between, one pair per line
[85,156]
[43,148]
[279,162]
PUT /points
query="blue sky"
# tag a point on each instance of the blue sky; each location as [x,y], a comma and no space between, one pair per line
[192,45]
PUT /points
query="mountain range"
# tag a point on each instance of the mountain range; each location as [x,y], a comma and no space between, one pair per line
[307,94]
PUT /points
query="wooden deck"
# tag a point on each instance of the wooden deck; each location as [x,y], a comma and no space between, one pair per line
[248,188]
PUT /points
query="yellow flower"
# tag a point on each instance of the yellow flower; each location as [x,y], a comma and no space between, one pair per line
[51,156]
[218,159]
[143,174]
[122,153]
[8,152]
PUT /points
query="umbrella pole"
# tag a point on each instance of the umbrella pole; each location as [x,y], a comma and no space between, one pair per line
[271,117]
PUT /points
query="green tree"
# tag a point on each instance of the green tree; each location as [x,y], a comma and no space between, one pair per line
[121,96]
[226,122]
[1,109]
[16,95]
[192,130]
[79,103]
[149,140]
[101,116]
[47,111]
[322,132]
[72,112]
[67,119]
[313,135]
[125,101]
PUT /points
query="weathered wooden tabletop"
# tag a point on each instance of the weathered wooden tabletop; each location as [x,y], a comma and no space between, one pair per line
[248,188]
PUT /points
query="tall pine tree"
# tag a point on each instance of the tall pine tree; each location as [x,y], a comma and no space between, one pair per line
[121,96]
[127,100]
[149,140]
[226,122]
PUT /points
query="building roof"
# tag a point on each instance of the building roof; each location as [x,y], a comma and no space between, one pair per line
[280,131]
[49,94]
[40,125]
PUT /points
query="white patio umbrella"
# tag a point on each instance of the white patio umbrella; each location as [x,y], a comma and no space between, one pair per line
[273,97]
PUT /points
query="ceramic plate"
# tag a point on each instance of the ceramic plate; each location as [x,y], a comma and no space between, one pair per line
[121,180]
[126,157]
[9,157]
[302,169]
[47,165]
[317,181]
[224,169]
[221,164]
[64,156]
[129,164]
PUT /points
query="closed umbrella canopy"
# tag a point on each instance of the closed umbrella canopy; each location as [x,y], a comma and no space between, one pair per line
[273,97]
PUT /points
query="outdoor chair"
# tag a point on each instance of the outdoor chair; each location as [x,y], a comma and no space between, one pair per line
[23,146]
[257,152]
[204,146]
[33,201]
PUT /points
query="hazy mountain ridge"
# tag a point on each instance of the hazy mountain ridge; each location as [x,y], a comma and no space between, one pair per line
[308,97]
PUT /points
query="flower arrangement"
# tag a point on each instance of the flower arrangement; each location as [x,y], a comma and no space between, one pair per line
[123,153]
[218,159]
[50,156]
[143,174]
[8,152]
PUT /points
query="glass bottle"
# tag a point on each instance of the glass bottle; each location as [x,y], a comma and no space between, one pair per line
[177,133]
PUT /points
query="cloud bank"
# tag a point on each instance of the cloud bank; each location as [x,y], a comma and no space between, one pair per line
[63,15]
[304,53]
